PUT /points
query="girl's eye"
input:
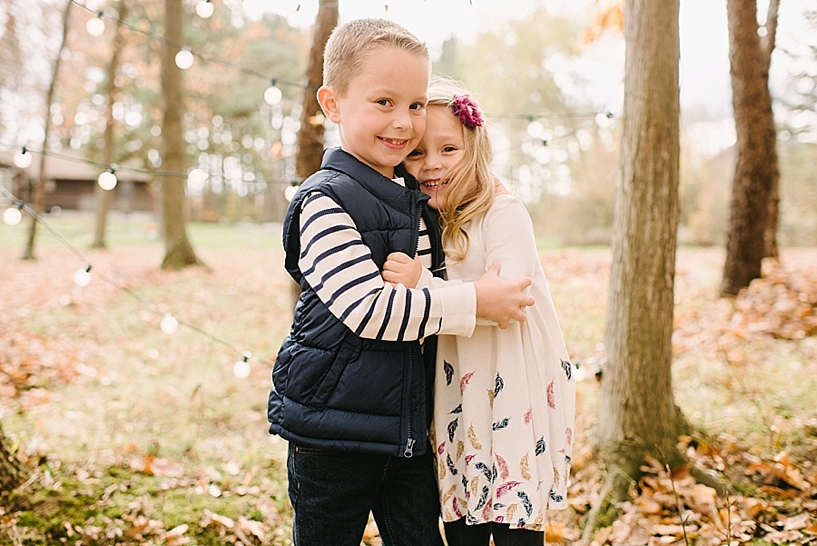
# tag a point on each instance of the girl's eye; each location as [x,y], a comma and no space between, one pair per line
[450,149]
[414,154]
[383,102]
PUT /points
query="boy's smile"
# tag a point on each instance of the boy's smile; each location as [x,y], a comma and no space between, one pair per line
[381,117]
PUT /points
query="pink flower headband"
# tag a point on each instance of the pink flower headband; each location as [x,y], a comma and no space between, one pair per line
[467,110]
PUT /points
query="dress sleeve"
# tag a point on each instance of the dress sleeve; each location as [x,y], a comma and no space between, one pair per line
[509,239]
[339,267]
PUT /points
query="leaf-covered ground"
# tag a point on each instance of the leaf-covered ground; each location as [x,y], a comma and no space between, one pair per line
[135,436]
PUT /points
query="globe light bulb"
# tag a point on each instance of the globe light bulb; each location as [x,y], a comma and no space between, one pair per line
[273,95]
[184,59]
[82,277]
[169,324]
[205,9]
[95,26]
[289,192]
[196,177]
[107,180]
[535,129]
[22,159]
[12,216]
[241,369]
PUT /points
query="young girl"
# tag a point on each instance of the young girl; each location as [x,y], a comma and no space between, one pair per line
[504,398]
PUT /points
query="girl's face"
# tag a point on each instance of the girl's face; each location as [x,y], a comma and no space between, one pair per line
[440,149]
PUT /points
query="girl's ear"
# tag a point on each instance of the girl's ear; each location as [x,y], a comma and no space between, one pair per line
[328,99]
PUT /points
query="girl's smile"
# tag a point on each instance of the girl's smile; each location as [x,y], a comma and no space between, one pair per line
[440,150]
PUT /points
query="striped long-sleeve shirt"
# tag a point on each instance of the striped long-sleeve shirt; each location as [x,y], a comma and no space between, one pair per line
[339,267]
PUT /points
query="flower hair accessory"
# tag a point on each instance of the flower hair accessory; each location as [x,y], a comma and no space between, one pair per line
[467,110]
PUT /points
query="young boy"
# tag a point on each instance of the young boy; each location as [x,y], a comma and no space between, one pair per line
[351,387]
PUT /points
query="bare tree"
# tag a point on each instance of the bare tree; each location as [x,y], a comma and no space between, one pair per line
[39,189]
[637,415]
[178,251]
[310,136]
[753,217]
[104,198]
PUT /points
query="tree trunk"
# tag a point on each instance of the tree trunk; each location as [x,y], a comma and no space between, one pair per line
[756,170]
[104,198]
[310,135]
[39,189]
[178,251]
[12,472]
[637,415]
[767,45]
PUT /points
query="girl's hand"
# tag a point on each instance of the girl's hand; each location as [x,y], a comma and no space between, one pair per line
[401,269]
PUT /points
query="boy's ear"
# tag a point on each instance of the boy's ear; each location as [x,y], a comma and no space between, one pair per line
[328,99]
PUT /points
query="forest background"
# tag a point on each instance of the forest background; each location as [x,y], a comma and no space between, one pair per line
[175,450]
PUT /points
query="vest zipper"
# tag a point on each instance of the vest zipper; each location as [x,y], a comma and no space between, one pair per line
[409,451]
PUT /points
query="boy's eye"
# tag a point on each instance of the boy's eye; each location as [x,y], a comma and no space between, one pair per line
[383,102]
[417,106]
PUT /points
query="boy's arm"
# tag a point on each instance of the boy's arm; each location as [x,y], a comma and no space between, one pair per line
[339,267]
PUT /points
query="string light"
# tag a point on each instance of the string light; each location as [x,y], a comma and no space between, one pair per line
[187,54]
[82,277]
[289,191]
[12,215]
[205,9]
[107,180]
[95,25]
[184,58]
[241,368]
[169,324]
[22,159]
[273,95]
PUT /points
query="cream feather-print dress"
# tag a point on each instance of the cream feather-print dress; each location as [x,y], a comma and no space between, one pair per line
[504,399]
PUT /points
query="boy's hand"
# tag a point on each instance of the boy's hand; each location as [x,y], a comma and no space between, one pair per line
[401,269]
[501,300]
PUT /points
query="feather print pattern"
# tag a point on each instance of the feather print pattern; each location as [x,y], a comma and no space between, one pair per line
[499,425]
[472,438]
[524,467]
[449,372]
[551,395]
[541,446]
[499,384]
[464,381]
[504,472]
[505,487]
[452,428]
[503,422]
[568,368]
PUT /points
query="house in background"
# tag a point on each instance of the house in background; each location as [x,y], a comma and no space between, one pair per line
[70,183]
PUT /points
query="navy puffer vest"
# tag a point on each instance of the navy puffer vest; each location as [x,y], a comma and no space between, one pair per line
[331,388]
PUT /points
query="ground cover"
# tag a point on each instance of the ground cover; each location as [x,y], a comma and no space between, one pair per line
[137,436]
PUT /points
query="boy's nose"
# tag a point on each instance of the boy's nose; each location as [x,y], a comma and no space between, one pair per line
[402,120]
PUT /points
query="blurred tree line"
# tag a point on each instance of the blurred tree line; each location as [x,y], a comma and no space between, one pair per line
[552,145]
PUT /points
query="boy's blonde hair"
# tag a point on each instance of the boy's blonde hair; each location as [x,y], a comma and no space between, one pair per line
[471,184]
[350,44]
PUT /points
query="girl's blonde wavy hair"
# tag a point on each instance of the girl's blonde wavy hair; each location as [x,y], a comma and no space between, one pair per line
[471,185]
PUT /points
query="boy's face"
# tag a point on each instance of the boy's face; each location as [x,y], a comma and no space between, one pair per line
[382,115]
[439,151]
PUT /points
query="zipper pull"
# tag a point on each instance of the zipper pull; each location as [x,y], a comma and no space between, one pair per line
[409,448]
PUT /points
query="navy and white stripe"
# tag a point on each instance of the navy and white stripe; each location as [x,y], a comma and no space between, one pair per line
[338,266]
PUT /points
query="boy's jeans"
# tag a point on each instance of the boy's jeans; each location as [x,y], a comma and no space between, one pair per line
[332,493]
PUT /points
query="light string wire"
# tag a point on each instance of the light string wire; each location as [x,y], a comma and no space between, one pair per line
[119,167]
[203,56]
[21,205]
[275,81]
